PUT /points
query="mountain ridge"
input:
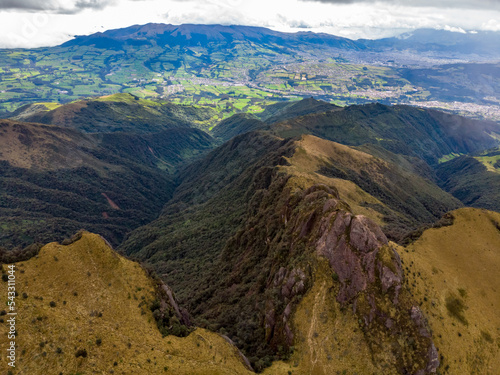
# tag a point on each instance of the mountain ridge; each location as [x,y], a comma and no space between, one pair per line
[442,40]
[118,113]
[408,130]
[225,227]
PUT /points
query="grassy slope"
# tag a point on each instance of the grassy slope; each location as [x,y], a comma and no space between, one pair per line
[390,193]
[448,264]
[88,276]
[328,338]
[453,272]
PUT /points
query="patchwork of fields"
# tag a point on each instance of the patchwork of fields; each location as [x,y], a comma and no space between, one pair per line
[244,78]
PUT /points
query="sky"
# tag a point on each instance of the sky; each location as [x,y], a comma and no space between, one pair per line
[36,23]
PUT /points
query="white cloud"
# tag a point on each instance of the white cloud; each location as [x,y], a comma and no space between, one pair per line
[454,29]
[54,6]
[492,24]
[447,4]
[25,26]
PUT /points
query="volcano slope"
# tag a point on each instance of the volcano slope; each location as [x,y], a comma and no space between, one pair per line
[257,235]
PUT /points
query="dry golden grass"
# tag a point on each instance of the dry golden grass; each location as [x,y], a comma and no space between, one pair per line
[327,340]
[454,272]
[324,150]
[101,295]
[312,153]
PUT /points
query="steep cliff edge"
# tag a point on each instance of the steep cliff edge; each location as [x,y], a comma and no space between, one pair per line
[283,247]
[245,237]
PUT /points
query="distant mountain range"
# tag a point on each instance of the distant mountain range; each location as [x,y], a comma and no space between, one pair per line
[206,35]
[481,43]
[444,42]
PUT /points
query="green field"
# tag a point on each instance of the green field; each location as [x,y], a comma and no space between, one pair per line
[244,78]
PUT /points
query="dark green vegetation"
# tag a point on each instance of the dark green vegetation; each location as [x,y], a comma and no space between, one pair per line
[471,181]
[118,113]
[422,133]
[44,206]
[113,181]
[235,125]
[55,181]
[286,110]
[456,307]
[18,254]
[235,69]
[206,210]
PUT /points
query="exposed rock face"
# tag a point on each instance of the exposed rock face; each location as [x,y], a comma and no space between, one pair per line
[180,312]
[370,278]
[351,244]
[290,284]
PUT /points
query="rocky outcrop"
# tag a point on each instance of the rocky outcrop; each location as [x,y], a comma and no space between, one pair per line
[289,284]
[180,313]
[369,276]
[170,317]
[354,246]
[269,264]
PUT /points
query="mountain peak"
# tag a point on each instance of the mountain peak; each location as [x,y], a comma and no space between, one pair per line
[198,34]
